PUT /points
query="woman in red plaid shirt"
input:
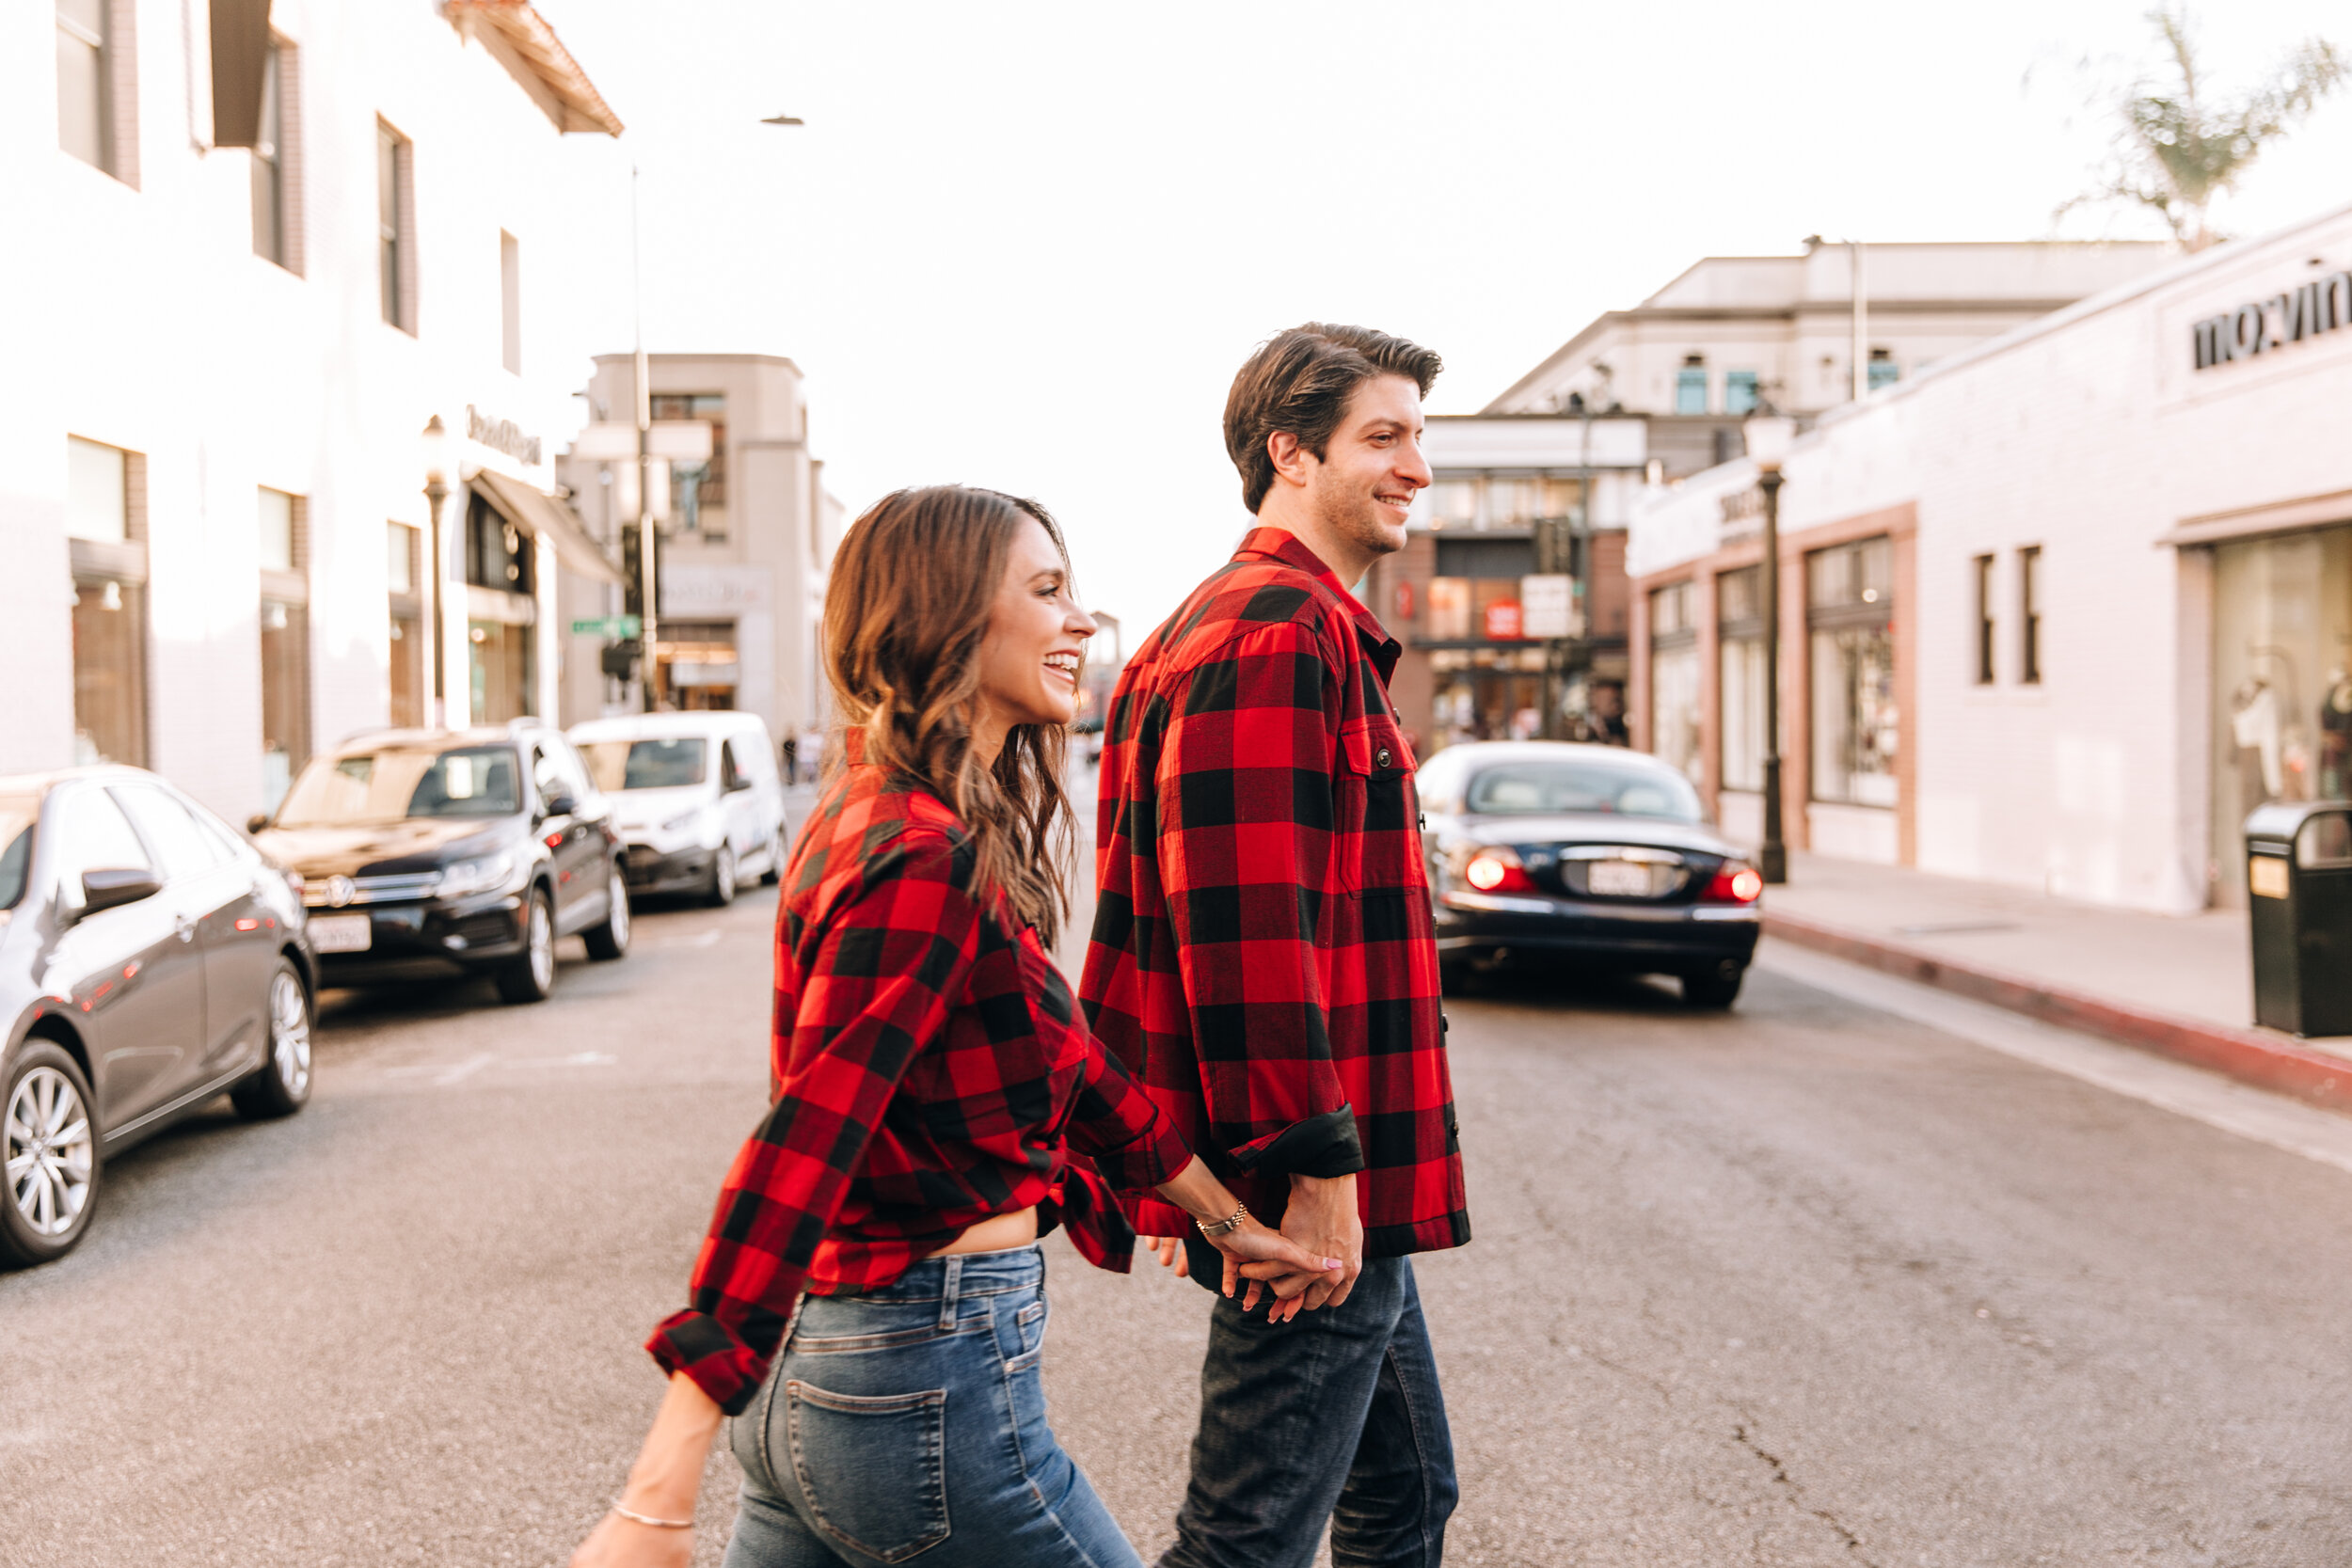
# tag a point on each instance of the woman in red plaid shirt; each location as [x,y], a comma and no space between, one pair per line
[932,1077]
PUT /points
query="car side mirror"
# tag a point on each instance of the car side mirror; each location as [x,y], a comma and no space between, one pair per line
[561,803]
[255,823]
[107,890]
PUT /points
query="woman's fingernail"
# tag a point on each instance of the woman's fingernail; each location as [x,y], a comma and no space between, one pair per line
[1333,1263]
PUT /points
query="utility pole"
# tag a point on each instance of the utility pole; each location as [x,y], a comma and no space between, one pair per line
[649,585]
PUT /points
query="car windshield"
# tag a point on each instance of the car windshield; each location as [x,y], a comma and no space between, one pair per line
[661,763]
[1557,788]
[400,782]
[18,814]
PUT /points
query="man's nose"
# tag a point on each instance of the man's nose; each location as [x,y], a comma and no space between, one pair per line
[1412,466]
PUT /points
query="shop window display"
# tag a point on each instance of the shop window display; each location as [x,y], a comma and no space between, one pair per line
[2283,683]
[1674,703]
[1856,727]
[1740,630]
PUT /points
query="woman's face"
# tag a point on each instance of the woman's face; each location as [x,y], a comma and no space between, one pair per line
[1036,640]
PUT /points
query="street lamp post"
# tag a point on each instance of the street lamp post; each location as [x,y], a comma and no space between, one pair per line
[1769,435]
[434,443]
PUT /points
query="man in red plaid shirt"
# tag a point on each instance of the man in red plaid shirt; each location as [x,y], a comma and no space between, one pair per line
[1263,960]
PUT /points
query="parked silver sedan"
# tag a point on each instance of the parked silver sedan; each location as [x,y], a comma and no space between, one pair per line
[150,959]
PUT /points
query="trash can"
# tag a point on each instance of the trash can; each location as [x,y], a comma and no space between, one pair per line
[2299,884]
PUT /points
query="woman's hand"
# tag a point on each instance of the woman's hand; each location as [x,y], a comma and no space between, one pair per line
[662,1484]
[1265,1258]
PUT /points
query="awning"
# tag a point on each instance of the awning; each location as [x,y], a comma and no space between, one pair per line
[540,515]
[2287,516]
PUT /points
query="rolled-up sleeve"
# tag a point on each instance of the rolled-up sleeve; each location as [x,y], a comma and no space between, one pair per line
[893,956]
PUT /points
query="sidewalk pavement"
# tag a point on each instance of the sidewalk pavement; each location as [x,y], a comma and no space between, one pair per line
[2181,987]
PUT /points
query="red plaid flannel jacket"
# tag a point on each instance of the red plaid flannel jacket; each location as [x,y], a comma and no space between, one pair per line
[1262,957]
[930,1064]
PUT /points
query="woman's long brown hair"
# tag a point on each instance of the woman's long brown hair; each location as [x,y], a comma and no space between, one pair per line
[906,609]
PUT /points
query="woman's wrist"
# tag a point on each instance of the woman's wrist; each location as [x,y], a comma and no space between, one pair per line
[1197,1191]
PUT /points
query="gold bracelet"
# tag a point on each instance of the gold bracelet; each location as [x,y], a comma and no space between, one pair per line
[1226,1227]
[649,1519]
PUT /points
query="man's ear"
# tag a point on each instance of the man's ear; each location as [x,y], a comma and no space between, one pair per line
[1290,459]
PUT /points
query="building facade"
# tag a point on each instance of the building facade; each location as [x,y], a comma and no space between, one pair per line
[746,535]
[1694,357]
[278,243]
[2058,612]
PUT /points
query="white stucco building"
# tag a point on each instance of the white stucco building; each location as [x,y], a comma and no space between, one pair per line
[2057,612]
[274,241]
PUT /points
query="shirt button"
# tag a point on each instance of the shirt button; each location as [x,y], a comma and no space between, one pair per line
[1380,759]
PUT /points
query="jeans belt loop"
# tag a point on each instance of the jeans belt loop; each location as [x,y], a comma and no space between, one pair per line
[950,1283]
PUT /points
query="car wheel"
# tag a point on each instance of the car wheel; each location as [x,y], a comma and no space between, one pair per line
[611,940]
[283,1085]
[532,976]
[51,1152]
[774,873]
[1715,989]
[722,890]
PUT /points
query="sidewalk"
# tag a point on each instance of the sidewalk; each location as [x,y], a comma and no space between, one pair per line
[2180,986]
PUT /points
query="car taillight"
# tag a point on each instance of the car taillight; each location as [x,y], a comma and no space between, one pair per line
[1497,869]
[1736,882]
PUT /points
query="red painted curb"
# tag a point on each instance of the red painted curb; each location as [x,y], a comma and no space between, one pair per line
[2251,1056]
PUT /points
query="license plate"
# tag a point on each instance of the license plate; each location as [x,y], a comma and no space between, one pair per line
[341,933]
[1618,880]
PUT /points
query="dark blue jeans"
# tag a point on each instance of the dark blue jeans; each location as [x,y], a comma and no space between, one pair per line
[909,1424]
[1335,1415]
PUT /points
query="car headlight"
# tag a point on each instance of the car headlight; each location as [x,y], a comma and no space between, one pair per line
[486,875]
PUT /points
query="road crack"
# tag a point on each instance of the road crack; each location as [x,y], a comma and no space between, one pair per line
[1781,1477]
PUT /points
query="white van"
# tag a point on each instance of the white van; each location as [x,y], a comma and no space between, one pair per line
[696,798]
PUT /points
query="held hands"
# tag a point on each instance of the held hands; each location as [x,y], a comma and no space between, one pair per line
[1312,1261]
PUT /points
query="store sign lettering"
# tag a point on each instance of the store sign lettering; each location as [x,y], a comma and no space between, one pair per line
[2261,325]
[1504,622]
[502,436]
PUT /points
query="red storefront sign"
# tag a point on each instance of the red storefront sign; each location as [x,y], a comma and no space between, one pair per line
[1405,600]
[1504,622]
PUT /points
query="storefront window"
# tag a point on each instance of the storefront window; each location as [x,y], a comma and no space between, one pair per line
[285,696]
[109,671]
[1454,503]
[1449,609]
[698,491]
[1856,727]
[498,554]
[1486,695]
[501,671]
[1739,627]
[1674,692]
[406,631]
[2283,683]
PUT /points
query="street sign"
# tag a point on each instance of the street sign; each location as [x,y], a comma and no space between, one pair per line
[1548,601]
[1504,622]
[608,626]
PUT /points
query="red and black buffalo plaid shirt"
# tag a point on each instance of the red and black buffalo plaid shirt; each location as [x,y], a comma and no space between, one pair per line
[931,1064]
[1262,957]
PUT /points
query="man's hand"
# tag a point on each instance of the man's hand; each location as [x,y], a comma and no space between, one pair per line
[1323,1220]
[1171,1251]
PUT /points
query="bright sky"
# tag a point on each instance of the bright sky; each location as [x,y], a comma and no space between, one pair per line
[1026,245]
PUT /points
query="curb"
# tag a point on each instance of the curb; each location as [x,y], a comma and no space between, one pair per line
[2268,1061]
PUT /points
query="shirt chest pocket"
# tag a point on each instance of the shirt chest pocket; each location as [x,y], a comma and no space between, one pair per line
[1376,839]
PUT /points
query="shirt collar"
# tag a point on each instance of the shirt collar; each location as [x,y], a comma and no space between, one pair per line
[1277,544]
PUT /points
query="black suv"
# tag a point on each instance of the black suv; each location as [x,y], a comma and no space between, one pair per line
[474,848]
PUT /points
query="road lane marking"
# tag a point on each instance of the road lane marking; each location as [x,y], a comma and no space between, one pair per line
[2192,1092]
[464,1069]
[446,1074]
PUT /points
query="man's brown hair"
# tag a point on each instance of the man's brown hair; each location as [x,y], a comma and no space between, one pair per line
[1300,381]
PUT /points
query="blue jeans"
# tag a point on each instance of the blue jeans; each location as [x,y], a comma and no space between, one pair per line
[1335,1415]
[910,1421]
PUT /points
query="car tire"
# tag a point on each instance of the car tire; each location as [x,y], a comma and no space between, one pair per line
[1715,989]
[610,940]
[283,1085]
[721,892]
[774,873]
[531,977]
[46,1210]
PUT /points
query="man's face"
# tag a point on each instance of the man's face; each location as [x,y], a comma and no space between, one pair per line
[1372,466]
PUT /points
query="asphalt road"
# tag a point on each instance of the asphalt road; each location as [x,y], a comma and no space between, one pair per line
[1805,1284]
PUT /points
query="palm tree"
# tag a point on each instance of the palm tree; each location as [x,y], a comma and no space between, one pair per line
[2179,145]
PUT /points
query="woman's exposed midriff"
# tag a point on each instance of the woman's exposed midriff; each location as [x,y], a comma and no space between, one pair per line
[996,1233]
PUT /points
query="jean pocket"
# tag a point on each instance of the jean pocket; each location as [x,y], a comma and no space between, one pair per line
[1029,1332]
[872,1468]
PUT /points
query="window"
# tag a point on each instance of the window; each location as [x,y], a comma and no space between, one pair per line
[698,491]
[285,644]
[1690,386]
[183,848]
[97,99]
[1856,727]
[92,834]
[1984,620]
[2030,615]
[1453,503]
[1740,654]
[109,609]
[1673,679]
[395,213]
[1740,391]
[269,162]
[1882,369]
[498,554]
[511,303]
[408,625]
